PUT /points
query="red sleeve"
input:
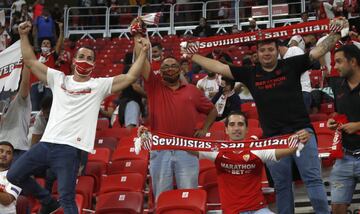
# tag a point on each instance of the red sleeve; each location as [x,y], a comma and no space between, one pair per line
[152,80]
[203,104]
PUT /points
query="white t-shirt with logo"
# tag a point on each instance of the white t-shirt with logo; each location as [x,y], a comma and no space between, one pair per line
[209,85]
[305,77]
[12,190]
[75,108]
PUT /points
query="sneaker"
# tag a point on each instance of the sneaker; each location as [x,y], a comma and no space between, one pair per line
[50,208]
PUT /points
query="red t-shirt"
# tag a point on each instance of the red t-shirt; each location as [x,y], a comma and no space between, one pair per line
[174,111]
[239,178]
[155,66]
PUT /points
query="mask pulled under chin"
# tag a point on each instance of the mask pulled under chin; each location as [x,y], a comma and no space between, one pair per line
[83,68]
[45,50]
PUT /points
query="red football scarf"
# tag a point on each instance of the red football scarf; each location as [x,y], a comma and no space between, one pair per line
[336,148]
[314,27]
[162,141]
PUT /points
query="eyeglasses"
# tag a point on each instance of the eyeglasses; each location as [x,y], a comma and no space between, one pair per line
[167,67]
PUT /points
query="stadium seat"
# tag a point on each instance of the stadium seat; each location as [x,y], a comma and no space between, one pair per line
[318,117]
[95,170]
[85,187]
[327,108]
[205,164]
[217,126]
[208,182]
[320,127]
[102,124]
[197,77]
[128,166]
[184,201]
[126,142]
[215,135]
[132,182]
[253,123]
[254,132]
[249,106]
[125,153]
[22,205]
[120,202]
[100,155]
[113,132]
[107,142]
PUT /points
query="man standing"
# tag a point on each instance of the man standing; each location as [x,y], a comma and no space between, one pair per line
[275,86]
[346,90]
[72,122]
[8,192]
[174,108]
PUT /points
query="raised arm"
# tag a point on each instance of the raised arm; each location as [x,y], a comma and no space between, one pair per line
[212,65]
[124,80]
[329,43]
[30,61]
[137,50]
[60,40]
[24,88]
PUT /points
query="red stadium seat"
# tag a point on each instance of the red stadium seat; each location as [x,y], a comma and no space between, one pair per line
[128,166]
[205,164]
[318,117]
[217,126]
[184,201]
[215,135]
[254,132]
[120,202]
[107,142]
[125,153]
[249,106]
[208,182]
[197,77]
[327,108]
[113,132]
[126,142]
[102,124]
[132,182]
[79,200]
[84,187]
[320,127]
[100,155]
[96,170]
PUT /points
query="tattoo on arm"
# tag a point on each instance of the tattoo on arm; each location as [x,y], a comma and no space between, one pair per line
[324,47]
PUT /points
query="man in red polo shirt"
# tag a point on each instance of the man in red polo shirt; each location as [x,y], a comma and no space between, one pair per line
[174,108]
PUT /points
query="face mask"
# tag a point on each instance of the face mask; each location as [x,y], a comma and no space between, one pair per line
[83,68]
[45,50]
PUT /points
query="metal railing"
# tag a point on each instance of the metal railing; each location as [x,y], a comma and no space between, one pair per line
[179,18]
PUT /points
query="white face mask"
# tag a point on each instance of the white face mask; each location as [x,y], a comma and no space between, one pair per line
[45,50]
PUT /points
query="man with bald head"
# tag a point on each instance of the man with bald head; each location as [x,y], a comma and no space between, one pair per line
[72,122]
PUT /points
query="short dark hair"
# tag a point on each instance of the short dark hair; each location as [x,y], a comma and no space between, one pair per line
[350,51]
[6,143]
[228,81]
[47,38]
[268,41]
[157,44]
[46,102]
[226,121]
[86,47]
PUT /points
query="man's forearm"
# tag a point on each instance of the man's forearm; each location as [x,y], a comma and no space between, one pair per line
[138,65]
[210,118]
[212,65]
[26,50]
[325,46]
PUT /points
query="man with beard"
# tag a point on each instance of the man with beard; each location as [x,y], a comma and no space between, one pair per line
[8,192]
[275,86]
[346,88]
[174,108]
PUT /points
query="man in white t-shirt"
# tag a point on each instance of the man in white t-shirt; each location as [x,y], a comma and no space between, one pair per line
[41,120]
[72,122]
[209,84]
[8,192]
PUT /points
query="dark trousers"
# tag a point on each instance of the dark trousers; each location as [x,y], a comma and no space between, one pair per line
[63,160]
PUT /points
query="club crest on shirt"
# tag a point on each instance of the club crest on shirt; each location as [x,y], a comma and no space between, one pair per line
[246,157]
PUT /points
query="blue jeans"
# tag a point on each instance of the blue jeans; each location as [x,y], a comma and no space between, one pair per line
[37,93]
[63,160]
[17,154]
[344,176]
[167,163]
[310,171]
[307,100]
[261,211]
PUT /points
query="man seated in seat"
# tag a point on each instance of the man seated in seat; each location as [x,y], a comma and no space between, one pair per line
[8,192]
[240,172]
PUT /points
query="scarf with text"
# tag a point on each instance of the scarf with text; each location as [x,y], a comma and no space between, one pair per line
[313,27]
[163,141]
